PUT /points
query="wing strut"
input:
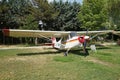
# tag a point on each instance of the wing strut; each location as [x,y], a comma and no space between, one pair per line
[45,37]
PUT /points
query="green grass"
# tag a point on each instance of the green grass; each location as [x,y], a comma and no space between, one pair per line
[37,64]
[64,58]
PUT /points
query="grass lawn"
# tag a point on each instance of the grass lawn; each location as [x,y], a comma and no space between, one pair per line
[48,64]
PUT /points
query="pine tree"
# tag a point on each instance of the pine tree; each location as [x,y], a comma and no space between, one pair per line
[67,18]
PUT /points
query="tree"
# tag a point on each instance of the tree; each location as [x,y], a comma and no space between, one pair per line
[45,12]
[93,15]
[13,14]
[18,12]
[3,10]
[114,13]
[67,18]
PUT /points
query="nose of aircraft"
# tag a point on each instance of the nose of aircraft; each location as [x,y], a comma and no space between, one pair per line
[83,38]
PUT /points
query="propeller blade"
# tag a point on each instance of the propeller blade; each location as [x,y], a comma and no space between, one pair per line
[84,48]
[83,40]
[85,43]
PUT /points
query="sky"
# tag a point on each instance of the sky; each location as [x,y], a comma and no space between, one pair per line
[79,1]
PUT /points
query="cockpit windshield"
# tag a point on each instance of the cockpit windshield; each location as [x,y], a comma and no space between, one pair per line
[72,34]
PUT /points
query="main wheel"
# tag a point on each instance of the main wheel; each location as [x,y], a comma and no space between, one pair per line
[86,52]
[65,53]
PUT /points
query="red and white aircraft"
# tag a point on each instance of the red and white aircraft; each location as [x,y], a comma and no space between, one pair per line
[74,38]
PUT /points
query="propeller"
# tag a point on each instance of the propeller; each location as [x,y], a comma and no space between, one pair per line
[85,44]
[87,38]
[83,40]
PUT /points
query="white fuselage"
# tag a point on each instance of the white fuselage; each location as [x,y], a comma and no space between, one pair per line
[72,42]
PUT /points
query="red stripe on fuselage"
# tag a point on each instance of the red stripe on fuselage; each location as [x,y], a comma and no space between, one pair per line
[70,41]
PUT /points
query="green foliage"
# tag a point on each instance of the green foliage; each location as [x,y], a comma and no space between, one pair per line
[93,15]
[13,13]
[28,23]
[63,59]
[59,15]
[3,10]
[66,20]
[114,13]
[45,12]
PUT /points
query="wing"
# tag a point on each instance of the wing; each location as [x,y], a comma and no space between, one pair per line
[39,33]
[33,33]
[116,33]
[94,32]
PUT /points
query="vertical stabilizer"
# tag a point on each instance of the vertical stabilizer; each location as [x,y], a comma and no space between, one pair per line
[55,43]
[53,40]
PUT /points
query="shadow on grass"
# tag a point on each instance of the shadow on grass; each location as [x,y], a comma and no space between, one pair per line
[98,46]
[77,52]
[74,51]
[103,48]
[38,53]
[80,52]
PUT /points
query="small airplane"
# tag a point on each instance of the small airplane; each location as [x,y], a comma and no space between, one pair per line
[75,38]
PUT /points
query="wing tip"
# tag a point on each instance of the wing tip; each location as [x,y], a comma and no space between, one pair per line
[6,32]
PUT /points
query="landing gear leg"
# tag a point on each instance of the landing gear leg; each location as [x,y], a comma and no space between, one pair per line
[85,51]
[66,53]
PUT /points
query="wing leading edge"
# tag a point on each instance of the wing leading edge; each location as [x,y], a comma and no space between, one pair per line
[39,33]
[33,33]
[95,32]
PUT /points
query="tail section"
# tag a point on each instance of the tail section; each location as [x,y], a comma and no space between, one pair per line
[56,44]
[53,40]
